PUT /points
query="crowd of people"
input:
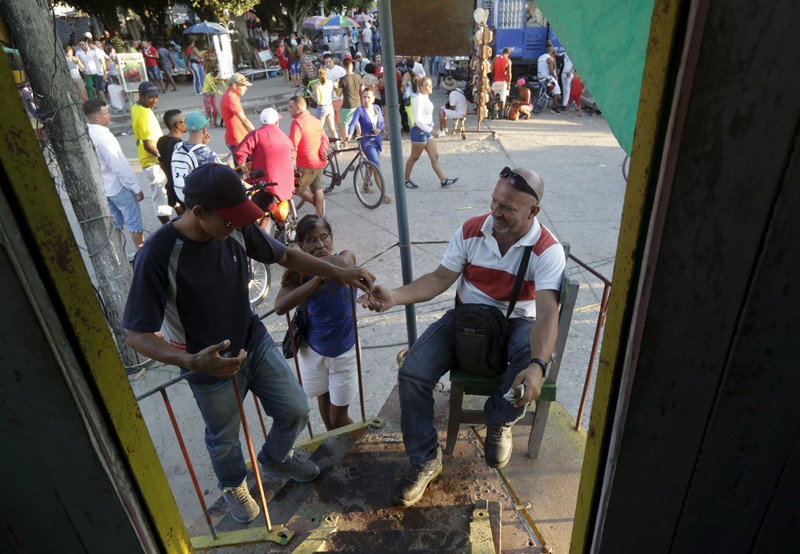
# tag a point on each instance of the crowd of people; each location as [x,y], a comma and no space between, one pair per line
[93,65]
[188,305]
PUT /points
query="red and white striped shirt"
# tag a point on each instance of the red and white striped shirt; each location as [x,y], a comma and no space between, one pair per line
[487,277]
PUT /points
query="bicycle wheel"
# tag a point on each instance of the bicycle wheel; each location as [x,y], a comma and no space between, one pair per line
[539,104]
[258,287]
[369,184]
[329,176]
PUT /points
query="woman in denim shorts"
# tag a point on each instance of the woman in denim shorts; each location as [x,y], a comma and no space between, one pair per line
[422,135]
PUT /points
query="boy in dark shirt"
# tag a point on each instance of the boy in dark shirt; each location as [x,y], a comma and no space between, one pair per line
[191,282]
[175,121]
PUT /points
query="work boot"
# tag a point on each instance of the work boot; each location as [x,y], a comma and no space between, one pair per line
[498,446]
[411,488]
[243,508]
[294,468]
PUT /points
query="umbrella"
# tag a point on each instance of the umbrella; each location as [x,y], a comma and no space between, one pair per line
[339,21]
[206,28]
[313,22]
[363,18]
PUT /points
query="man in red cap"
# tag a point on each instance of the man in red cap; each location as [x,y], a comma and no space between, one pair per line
[191,283]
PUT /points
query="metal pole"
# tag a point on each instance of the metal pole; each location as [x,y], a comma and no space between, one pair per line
[401,205]
[253,459]
[188,462]
[358,353]
[601,320]
[295,348]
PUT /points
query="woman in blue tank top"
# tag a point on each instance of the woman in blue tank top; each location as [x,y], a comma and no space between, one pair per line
[326,356]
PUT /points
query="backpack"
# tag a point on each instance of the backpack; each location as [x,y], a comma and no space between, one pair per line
[184,162]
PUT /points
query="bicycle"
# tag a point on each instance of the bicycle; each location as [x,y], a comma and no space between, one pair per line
[367,178]
[544,95]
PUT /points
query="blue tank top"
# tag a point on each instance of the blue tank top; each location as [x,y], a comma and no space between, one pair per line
[330,320]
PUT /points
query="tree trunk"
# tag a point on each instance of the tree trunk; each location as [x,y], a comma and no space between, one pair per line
[243,46]
[46,68]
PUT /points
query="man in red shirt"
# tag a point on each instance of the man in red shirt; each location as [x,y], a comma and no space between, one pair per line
[273,151]
[151,63]
[502,77]
[236,123]
[312,152]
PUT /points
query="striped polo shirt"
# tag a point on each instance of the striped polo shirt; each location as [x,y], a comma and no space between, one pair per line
[487,277]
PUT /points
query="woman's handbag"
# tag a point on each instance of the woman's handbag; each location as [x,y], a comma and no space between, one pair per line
[297,330]
[481,332]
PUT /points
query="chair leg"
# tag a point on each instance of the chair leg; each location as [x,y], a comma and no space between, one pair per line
[537,429]
[454,419]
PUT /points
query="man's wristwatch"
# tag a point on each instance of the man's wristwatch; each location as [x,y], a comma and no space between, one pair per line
[541,363]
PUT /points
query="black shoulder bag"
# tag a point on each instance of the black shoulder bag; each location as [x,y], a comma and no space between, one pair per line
[481,332]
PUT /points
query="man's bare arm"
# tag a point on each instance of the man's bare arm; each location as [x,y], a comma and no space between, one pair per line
[543,343]
[424,288]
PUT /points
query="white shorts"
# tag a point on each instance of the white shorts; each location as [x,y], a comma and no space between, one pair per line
[501,88]
[452,114]
[158,191]
[322,374]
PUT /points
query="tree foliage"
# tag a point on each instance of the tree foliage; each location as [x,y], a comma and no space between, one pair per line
[288,15]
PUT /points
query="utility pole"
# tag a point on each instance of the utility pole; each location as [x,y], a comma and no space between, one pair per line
[31,25]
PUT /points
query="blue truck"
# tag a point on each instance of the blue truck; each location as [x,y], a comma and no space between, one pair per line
[519,26]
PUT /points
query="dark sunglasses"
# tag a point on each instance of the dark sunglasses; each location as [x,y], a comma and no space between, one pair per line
[518,182]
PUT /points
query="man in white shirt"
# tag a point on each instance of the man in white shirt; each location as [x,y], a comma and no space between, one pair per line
[456,108]
[91,68]
[122,189]
[335,72]
[418,69]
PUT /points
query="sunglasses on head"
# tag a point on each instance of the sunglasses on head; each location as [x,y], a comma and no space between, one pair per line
[518,182]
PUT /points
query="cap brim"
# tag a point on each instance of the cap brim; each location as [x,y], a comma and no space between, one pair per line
[241,214]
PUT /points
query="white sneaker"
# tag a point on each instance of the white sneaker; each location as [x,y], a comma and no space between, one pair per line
[443,132]
[243,508]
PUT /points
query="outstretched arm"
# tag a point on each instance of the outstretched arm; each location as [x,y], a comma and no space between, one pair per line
[293,291]
[426,287]
[306,264]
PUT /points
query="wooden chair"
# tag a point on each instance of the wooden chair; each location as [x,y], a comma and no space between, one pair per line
[462,383]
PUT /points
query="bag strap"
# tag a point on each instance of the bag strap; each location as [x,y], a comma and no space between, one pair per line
[523,265]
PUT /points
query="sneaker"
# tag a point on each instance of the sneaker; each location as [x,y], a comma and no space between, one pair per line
[243,508]
[448,182]
[294,468]
[411,488]
[443,132]
[411,185]
[498,446]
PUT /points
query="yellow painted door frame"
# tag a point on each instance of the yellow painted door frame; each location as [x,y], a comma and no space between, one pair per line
[663,49]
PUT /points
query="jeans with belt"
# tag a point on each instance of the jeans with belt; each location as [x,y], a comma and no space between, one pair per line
[265,373]
[428,360]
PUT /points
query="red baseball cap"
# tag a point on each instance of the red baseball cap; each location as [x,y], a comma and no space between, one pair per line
[219,188]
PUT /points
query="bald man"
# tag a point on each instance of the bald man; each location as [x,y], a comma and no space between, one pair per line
[483,256]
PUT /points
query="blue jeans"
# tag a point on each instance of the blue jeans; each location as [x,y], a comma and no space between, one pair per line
[371,149]
[197,80]
[428,360]
[266,373]
[125,209]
